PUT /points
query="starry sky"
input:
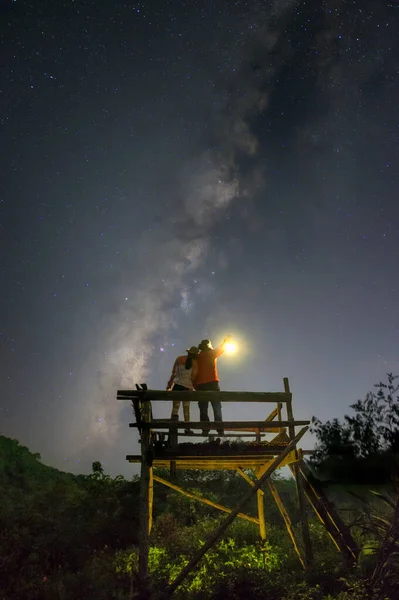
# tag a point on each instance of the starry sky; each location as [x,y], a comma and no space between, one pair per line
[173,170]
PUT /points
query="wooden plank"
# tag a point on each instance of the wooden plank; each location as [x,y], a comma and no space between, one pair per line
[307,542]
[287,519]
[231,425]
[173,443]
[261,507]
[336,528]
[230,518]
[226,434]
[219,466]
[255,430]
[262,458]
[209,464]
[279,410]
[144,502]
[164,396]
[247,478]
[281,508]
[150,500]
[200,458]
[203,500]
[170,455]
[273,415]
[261,514]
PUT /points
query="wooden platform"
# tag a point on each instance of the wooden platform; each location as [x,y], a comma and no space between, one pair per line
[214,463]
[164,396]
[230,425]
[219,454]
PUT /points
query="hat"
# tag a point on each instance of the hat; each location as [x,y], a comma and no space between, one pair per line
[192,350]
[205,345]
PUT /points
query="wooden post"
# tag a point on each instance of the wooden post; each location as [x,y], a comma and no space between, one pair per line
[173,443]
[307,544]
[286,518]
[261,514]
[150,500]
[279,409]
[281,508]
[335,527]
[230,518]
[144,502]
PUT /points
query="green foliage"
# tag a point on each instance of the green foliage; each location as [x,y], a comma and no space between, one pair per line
[364,446]
[67,537]
[53,525]
[217,566]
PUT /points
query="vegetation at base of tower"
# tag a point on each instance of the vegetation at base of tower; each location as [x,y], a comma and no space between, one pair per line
[73,537]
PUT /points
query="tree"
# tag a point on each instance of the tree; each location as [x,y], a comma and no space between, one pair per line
[388,395]
[373,430]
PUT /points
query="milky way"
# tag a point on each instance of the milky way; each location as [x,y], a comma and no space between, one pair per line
[182,170]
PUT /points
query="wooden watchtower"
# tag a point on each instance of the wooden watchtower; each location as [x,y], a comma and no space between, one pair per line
[161,446]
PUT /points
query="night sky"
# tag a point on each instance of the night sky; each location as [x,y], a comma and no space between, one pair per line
[178,170]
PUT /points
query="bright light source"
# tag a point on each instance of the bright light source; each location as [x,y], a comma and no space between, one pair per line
[230,348]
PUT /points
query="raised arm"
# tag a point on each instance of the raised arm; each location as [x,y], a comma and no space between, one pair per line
[220,349]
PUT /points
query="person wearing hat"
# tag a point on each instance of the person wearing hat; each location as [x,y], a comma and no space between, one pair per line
[206,379]
[181,380]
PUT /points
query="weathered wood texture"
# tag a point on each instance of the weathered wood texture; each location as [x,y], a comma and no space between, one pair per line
[286,518]
[251,433]
[261,506]
[307,542]
[150,499]
[144,501]
[210,463]
[261,514]
[164,396]
[231,425]
[230,518]
[336,528]
[281,508]
[203,500]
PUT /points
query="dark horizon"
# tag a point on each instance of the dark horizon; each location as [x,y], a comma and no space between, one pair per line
[181,172]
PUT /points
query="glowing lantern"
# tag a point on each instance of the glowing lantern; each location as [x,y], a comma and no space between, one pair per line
[230,347]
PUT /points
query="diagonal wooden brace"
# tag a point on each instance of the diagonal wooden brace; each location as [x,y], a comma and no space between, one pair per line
[230,518]
[203,500]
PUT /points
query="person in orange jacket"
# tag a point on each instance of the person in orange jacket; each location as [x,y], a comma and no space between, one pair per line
[206,379]
[181,380]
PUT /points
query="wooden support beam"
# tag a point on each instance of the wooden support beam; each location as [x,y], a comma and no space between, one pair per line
[150,500]
[250,433]
[262,457]
[230,518]
[261,514]
[164,396]
[286,518]
[203,500]
[307,543]
[273,415]
[246,477]
[231,425]
[254,430]
[260,500]
[215,463]
[279,410]
[335,527]
[144,502]
[173,443]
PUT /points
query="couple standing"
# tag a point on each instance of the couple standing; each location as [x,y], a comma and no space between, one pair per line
[198,371]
